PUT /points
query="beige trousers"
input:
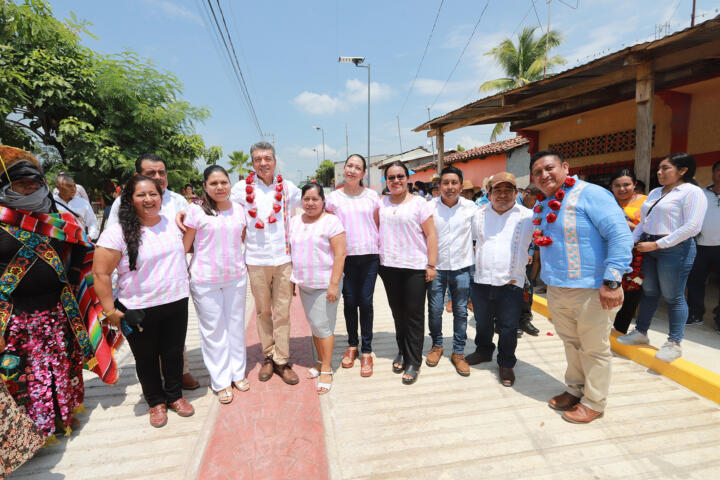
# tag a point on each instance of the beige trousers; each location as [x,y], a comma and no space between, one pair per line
[272,291]
[584,328]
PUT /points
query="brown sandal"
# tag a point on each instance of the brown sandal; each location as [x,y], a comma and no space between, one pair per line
[366,366]
[348,360]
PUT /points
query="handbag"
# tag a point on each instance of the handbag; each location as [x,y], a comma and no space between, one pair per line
[133,319]
[19,437]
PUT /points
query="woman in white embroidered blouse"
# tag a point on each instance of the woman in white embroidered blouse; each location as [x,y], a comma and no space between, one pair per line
[671,216]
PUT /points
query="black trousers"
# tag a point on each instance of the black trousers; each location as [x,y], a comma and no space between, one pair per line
[405,290]
[624,316]
[706,258]
[161,342]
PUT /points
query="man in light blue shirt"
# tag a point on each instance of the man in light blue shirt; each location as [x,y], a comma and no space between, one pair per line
[585,248]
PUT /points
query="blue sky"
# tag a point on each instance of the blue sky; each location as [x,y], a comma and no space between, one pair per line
[288,51]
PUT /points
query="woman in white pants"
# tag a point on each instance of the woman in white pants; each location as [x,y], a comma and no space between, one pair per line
[218,280]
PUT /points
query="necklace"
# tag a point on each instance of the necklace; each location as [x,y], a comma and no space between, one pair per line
[250,199]
[539,238]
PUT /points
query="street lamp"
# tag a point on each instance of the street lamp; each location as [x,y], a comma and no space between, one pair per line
[323,139]
[317,158]
[358,61]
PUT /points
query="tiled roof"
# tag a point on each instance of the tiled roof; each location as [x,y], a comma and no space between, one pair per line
[479,152]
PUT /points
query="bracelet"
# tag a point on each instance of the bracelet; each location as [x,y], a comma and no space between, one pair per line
[110,313]
[430,266]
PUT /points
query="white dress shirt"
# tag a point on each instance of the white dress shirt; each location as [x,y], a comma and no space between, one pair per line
[501,253]
[172,204]
[679,215]
[84,212]
[454,232]
[266,246]
[710,232]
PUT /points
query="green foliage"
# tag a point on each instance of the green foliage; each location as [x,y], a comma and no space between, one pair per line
[325,173]
[460,148]
[240,162]
[100,112]
[522,63]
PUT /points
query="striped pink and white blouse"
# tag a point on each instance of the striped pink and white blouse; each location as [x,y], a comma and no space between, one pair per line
[402,241]
[161,274]
[356,212]
[218,244]
[312,256]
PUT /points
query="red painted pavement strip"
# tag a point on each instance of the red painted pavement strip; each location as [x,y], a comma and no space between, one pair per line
[274,430]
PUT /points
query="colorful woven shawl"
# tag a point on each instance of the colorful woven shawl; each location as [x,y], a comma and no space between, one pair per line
[79,300]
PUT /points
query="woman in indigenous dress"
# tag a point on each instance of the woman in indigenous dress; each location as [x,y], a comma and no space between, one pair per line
[218,281]
[355,206]
[43,338]
[317,246]
[623,184]
[408,253]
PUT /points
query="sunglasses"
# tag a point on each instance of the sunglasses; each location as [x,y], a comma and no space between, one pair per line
[392,178]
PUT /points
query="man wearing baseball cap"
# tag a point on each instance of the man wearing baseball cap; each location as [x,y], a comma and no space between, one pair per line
[497,289]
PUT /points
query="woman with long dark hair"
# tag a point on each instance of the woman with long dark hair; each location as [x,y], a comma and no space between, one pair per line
[408,254]
[218,281]
[152,297]
[622,185]
[355,206]
[670,217]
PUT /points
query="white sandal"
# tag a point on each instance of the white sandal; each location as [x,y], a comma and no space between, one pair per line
[225,396]
[326,386]
[313,372]
[243,385]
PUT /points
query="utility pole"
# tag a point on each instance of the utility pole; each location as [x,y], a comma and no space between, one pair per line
[547,40]
[692,19]
[347,150]
[399,136]
[273,138]
[432,139]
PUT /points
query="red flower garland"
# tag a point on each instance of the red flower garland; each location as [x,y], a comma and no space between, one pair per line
[538,238]
[250,199]
[633,281]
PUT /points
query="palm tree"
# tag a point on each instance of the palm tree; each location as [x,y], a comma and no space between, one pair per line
[523,63]
[239,162]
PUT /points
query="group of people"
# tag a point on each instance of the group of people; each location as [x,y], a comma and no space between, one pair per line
[597,252]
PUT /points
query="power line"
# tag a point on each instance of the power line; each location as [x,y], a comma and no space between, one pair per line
[577,4]
[521,21]
[537,16]
[461,53]
[422,58]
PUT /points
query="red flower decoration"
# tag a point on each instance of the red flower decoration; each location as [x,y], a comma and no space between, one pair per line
[537,221]
[540,197]
[538,208]
[543,241]
[250,198]
[249,179]
[276,207]
[249,189]
[554,204]
[551,217]
[560,194]
[252,213]
[278,188]
[537,234]
[259,224]
[279,178]
[569,182]
[272,219]
[278,196]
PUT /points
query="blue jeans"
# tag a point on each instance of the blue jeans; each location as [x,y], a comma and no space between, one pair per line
[358,288]
[458,282]
[505,305]
[666,272]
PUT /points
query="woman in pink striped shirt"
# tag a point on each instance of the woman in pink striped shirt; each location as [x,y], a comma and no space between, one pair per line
[408,252]
[355,206]
[218,281]
[317,246]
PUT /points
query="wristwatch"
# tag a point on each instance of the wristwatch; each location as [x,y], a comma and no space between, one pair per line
[612,284]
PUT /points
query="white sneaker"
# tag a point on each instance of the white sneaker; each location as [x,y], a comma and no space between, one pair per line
[635,337]
[669,351]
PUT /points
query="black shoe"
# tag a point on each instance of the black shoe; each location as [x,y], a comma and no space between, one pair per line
[398,360]
[529,328]
[413,372]
[694,319]
[519,332]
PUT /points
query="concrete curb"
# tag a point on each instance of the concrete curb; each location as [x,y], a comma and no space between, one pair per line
[698,379]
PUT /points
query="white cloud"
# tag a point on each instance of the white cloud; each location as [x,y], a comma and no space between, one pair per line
[469,142]
[355,93]
[309,152]
[173,10]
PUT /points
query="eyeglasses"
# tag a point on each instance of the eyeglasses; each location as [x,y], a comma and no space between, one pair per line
[392,178]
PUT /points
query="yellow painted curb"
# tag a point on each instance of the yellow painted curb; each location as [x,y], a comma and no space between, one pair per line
[696,378]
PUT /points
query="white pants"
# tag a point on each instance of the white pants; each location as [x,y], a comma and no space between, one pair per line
[221,320]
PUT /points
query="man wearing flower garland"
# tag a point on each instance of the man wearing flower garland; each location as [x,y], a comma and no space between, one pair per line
[585,248]
[269,200]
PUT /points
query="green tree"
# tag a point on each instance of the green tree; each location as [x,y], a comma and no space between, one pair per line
[239,162]
[325,173]
[98,111]
[522,63]
[460,148]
